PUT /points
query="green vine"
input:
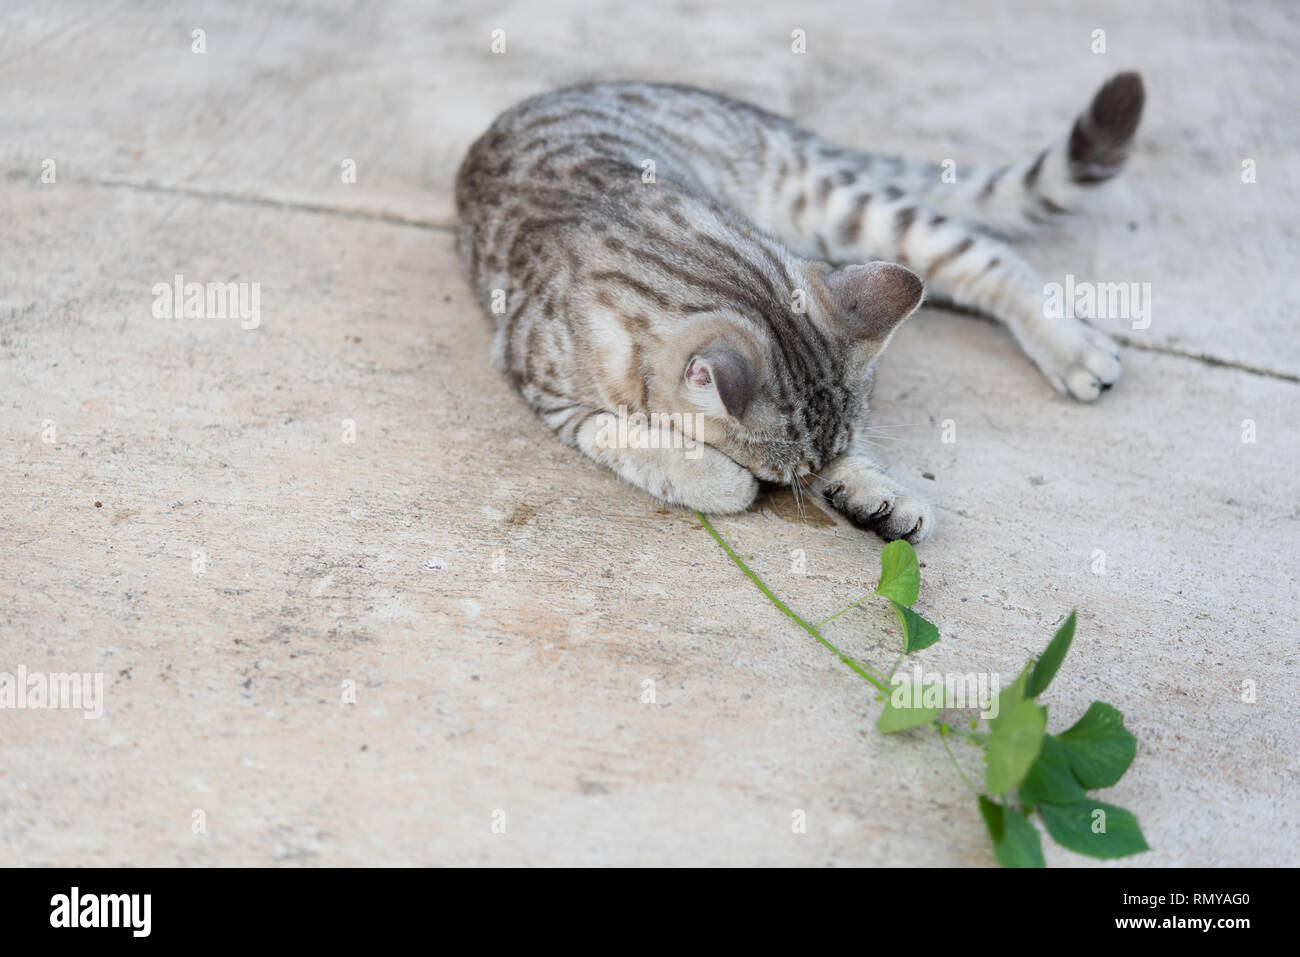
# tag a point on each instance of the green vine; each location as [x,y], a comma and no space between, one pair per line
[1026,769]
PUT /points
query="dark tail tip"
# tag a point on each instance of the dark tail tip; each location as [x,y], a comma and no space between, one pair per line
[1100,139]
[1117,107]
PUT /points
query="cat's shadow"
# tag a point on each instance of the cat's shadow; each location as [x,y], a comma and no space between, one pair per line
[779,502]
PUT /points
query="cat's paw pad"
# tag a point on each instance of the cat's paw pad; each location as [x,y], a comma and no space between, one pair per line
[1081,361]
[881,507]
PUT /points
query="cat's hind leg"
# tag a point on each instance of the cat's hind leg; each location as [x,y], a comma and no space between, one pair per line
[847,206]
[965,267]
[975,271]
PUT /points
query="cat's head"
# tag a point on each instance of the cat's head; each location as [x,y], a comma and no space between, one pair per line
[780,393]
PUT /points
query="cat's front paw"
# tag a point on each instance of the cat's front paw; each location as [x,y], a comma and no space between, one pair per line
[873,502]
[718,487]
[1079,360]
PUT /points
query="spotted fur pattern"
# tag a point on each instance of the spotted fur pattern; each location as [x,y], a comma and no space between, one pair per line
[661,249]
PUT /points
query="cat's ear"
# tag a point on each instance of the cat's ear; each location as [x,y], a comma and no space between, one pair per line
[720,381]
[875,296]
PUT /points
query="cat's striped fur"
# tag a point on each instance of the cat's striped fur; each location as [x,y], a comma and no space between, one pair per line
[665,249]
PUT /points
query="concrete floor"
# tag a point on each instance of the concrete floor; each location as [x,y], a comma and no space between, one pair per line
[497,603]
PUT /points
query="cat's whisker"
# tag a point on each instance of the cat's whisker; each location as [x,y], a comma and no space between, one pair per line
[794,483]
[879,439]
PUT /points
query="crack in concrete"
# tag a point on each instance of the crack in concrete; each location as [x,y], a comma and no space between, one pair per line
[383,216]
[1132,343]
[250,199]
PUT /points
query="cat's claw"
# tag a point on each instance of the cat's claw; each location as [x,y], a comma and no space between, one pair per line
[881,507]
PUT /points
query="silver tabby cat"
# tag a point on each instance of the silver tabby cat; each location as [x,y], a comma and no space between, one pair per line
[711,269]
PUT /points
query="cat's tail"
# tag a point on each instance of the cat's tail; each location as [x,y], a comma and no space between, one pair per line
[1057,180]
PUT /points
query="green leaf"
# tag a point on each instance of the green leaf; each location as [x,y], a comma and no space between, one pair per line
[900,576]
[1015,839]
[900,719]
[1014,746]
[1050,780]
[1099,747]
[1045,669]
[1093,828]
[917,632]
[1009,697]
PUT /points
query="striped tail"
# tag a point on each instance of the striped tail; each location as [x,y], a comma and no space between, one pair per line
[1013,199]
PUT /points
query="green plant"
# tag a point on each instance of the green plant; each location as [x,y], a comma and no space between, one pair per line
[1026,769]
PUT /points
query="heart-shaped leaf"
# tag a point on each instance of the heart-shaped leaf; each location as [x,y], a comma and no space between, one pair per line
[1099,747]
[1050,780]
[1014,746]
[1093,828]
[1009,697]
[900,719]
[917,632]
[1015,839]
[900,575]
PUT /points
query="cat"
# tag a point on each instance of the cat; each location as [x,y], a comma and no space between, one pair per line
[730,277]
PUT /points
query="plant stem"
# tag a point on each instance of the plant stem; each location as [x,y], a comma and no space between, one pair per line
[897,661]
[942,730]
[976,736]
[943,736]
[843,610]
[861,669]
